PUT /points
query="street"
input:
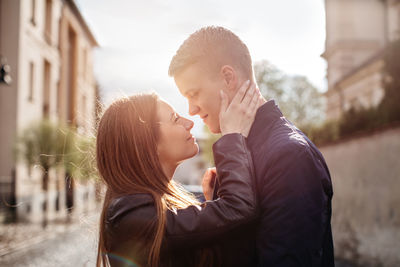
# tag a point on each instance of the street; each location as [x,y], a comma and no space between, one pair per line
[72,248]
[75,248]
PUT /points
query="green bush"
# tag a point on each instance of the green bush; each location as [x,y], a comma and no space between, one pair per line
[327,132]
[52,145]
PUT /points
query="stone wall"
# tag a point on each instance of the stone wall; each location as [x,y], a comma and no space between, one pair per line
[366,203]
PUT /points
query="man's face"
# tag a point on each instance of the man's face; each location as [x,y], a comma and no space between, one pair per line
[202,92]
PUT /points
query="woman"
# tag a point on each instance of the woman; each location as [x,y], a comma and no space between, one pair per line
[147,219]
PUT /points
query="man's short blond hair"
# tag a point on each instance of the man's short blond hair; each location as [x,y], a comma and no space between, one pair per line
[215,47]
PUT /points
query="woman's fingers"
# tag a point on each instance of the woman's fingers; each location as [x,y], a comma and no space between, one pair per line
[254,103]
[224,101]
[208,183]
[249,95]
[238,116]
[213,170]
[209,175]
[237,99]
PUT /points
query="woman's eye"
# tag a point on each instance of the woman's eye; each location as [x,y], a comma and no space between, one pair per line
[176,118]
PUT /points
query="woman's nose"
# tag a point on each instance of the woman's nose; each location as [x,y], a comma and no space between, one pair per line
[188,124]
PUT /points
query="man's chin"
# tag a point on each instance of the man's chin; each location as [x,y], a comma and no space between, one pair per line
[214,130]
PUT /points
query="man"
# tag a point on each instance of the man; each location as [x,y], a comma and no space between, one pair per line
[292,181]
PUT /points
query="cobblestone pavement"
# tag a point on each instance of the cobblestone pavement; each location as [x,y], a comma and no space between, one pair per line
[61,245]
[72,246]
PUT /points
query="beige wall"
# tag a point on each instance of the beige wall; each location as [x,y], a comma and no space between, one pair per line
[26,43]
[346,57]
[364,92]
[32,48]
[333,105]
[9,39]
[356,31]
[354,20]
[82,67]
[394,19]
[364,88]
[366,203]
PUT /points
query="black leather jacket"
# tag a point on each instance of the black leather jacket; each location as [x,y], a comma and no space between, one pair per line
[131,218]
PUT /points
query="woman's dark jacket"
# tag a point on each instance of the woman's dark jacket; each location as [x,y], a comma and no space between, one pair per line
[131,219]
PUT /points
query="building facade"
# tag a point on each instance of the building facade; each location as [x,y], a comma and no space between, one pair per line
[49,48]
[357,33]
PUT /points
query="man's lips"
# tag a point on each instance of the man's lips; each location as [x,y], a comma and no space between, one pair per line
[190,137]
[204,117]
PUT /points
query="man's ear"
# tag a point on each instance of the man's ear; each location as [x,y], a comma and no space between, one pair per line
[230,77]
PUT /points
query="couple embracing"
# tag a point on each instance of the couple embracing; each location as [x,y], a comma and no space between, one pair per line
[268,201]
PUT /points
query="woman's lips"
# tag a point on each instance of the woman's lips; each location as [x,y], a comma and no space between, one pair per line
[204,117]
[192,139]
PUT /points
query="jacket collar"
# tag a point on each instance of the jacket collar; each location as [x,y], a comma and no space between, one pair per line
[124,203]
[266,115]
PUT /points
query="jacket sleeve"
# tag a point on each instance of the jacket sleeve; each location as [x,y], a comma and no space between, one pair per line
[200,225]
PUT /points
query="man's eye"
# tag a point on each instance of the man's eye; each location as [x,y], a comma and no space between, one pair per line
[192,95]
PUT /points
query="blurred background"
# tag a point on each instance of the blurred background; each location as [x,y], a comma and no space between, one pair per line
[333,66]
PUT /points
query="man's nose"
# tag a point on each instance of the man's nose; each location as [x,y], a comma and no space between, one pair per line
[188,124]
[193,109]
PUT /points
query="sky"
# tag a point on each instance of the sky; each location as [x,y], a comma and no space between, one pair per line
[138,39]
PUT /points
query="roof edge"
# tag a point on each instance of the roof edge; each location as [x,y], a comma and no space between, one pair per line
[75,9]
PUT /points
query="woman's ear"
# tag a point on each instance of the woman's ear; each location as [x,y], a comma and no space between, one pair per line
[230,78]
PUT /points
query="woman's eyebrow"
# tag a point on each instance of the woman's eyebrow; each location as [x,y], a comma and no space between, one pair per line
[172,115]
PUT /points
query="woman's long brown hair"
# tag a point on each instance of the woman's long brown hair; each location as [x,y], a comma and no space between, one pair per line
[126,154]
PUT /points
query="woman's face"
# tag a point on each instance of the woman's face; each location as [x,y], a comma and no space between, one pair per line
[176,143]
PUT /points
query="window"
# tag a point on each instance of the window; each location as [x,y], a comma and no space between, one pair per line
[46,89]
[48,20]
[33,12]
[31,81]
[84,64]
[398,22]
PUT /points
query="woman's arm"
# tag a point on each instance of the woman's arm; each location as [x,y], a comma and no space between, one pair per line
[201,225]
[195,226]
